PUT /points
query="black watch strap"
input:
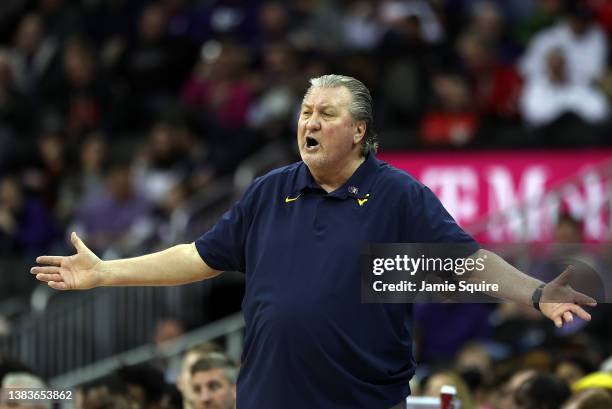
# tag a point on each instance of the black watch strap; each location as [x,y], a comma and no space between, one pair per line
[536,296]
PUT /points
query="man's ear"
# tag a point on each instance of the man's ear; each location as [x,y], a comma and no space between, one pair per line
[360,130]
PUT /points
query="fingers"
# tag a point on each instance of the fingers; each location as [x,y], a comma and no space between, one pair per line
[584,299]
[579,311]
[44,270]
[565,313]
[77,243]
[50,260]
[49,277]
[58,285]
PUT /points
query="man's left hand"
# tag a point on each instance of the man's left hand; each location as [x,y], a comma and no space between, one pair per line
[559,289]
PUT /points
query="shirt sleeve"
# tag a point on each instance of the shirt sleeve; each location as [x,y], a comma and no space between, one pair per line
[223,246]
[433,224]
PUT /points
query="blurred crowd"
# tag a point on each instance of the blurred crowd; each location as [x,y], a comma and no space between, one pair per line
[521,363]
[114,113]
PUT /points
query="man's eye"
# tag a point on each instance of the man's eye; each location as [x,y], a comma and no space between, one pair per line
[306,113]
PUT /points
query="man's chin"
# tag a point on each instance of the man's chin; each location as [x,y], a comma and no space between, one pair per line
[312,159]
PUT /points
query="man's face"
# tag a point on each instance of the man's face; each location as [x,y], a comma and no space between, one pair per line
[327,134]
[212,390]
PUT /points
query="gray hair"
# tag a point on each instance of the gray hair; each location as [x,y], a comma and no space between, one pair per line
[216,360]
[361,108]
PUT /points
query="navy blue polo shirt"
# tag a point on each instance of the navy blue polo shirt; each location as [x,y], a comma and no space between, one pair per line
[310,342]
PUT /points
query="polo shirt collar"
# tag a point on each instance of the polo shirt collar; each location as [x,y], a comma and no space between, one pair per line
[357,186]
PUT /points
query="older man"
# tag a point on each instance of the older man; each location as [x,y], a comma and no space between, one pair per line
[297,234]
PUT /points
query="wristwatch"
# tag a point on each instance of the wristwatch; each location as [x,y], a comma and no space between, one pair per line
[536,296]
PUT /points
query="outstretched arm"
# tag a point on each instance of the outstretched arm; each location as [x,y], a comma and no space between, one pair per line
[559,301]
[176,265]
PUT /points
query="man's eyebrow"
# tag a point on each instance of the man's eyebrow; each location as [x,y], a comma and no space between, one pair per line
[322,106]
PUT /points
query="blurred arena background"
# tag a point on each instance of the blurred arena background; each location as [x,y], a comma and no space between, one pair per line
[138,123]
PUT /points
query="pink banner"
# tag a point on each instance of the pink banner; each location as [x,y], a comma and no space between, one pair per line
[526,189]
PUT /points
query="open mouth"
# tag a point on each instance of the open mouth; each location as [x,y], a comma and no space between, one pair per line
[311,142]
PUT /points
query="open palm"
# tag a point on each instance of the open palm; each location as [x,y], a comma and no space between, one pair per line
[560,301]
[76,272]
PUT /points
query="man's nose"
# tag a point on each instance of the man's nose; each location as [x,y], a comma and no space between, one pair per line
[313,123]
[205,395]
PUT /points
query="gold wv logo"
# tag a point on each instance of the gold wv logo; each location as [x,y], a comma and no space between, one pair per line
[363,201]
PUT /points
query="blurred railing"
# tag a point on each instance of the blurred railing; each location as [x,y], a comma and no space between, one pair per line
[78,329]
[228,330]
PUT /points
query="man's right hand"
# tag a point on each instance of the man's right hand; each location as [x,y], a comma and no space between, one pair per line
[80,271]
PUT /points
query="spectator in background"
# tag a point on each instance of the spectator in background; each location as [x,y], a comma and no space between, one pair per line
[589,399]
[44,171]
[496,86]
[22,380]
[316,26]
[573,368]
[218,87]
[88,179]
[15,108]
[164,161]
[434,384]
[542,391]
[145,387]
[453,120]
[167,332]
[360,25]
[504,396]
[580,41]
[32,55]
[213,380]
[553,96]
[8,365]
[154,64]
[116,219]
[407,55]
[273,109]
[219,94]
[80,93]
[26,227]
[487,22]
[183,381]
[394,12]
[173,214]
[474,364]
[274,22]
